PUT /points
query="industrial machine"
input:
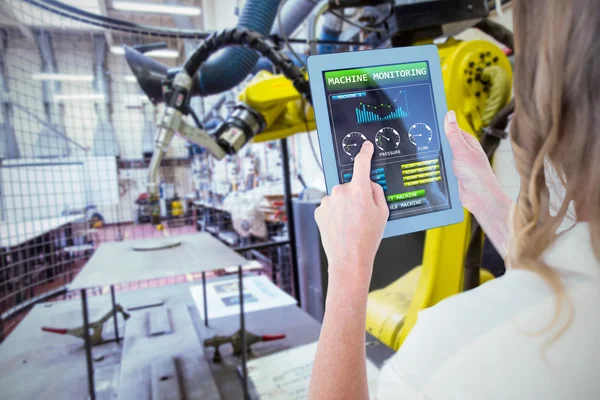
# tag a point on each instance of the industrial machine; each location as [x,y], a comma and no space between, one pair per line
[478,80]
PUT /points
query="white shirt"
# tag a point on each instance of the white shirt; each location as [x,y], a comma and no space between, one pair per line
[484,344]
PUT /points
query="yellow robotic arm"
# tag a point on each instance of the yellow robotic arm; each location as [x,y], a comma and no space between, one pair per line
[477,80]
[282,108]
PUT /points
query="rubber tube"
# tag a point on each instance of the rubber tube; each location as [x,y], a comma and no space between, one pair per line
[264,64]
[292,14]
[331,30]
[228,68]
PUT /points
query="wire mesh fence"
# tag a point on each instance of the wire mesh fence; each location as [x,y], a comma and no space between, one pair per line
[76,139]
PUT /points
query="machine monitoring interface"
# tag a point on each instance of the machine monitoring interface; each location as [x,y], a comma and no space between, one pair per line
[393,107]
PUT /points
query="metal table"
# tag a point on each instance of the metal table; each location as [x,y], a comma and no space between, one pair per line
[300,329]
[119,262]
[39,365]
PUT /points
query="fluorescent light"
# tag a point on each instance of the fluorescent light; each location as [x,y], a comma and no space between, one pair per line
[160,53]
[163,53]
[86,96]
[130,79]
[42,76]
[155,8]
[119,50]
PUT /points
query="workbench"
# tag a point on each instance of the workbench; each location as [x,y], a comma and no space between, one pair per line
[118,262]
[41,365]
[145,259]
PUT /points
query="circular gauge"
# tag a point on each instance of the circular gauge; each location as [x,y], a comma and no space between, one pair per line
[352,143]
[420,134]
[387,139]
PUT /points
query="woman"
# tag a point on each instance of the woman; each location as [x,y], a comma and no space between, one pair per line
[532,333]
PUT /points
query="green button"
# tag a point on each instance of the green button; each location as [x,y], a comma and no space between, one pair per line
[406,195]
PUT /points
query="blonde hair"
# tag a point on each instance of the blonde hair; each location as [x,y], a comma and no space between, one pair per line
[556,124]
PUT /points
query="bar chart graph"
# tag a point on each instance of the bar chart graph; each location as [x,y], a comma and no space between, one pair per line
[396,109]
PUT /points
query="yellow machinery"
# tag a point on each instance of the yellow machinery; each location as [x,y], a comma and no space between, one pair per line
[279,104]
[477,79]
[176,207]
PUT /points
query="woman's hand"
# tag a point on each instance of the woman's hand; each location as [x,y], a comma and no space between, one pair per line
[477,184]
[479,190]
[351,222]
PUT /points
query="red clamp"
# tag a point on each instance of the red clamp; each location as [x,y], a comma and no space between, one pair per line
[269,338]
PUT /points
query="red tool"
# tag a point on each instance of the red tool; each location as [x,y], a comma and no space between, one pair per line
[236,342]
[96,327]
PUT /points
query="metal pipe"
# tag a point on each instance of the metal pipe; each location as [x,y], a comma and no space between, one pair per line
[204,298]
[49,144]
[4,99]
[9,147]
[105,140]
[287,191]
[311,29]
[88,345]
[293,13]
[114,313]
[50,88]
[243,333]
[164,135]
[261,246]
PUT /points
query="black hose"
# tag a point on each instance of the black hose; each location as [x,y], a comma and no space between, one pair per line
[253,40]
[498,32]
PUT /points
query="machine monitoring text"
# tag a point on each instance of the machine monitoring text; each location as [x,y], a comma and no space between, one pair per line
[393,107]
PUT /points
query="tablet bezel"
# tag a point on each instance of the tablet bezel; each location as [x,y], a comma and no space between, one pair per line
[364,59]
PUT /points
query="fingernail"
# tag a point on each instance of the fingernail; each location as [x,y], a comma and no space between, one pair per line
[451,116]
[366,143]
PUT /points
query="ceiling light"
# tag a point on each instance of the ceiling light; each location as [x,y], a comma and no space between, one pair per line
[130,79]
[43,76]
[87,96]
[160,53]
[155,8]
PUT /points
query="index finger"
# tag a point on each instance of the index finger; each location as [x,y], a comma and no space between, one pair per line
[362,163]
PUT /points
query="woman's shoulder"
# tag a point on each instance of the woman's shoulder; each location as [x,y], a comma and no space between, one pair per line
[445,329]
[476,325]
[492,325]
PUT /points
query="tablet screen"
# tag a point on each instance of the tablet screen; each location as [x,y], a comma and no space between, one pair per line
[393,107]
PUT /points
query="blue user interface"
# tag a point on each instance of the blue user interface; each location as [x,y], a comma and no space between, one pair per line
[393,107]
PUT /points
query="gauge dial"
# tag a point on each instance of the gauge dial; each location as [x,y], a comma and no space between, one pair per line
[352,143]
[387,139]
[420,134]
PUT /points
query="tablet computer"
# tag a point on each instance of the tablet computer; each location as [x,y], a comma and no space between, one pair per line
[395,98]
